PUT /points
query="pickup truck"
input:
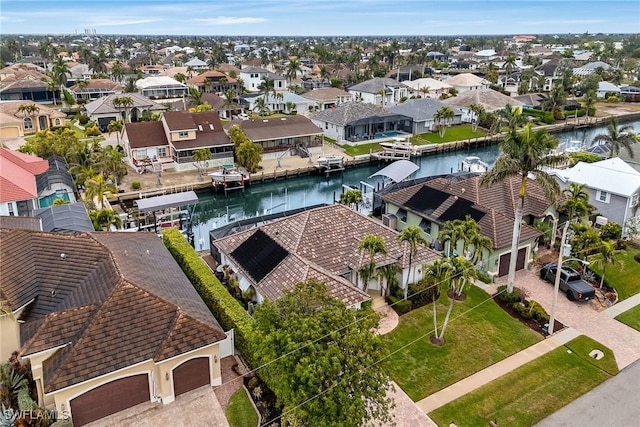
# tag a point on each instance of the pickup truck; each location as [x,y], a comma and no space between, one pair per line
[571,282]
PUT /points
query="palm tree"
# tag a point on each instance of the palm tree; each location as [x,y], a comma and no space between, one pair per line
[200,158]
[576,201]
[589,100]
[351,198]
[389,273]
[60,71]
[195,97]
[98,186]
[554,102]
[372,245]
[509,65]
[261,107]
[480,242]
[110,163]
[121,103]
[443,115]
[511,117]
[117,71]
[293,68]
[618,137]
[439,274]
[267,86]
[180,77]
[451,232]
[53,87]
[30,110]
[115,126]
[413,236]
[606,256]
[425,91]
[477,111]
[229,94]
[325,74]
[524,154]
[104,218]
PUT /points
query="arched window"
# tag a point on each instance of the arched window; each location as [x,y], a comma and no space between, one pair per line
[28,124]
[57,122]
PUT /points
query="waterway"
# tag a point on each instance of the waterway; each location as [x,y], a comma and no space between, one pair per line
[216,209]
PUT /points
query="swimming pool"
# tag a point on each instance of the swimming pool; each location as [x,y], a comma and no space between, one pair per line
[387,134]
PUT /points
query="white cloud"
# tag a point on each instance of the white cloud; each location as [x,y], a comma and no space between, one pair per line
[564,22]
[231,20]
[117,22]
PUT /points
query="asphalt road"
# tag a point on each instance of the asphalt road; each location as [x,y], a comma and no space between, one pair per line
[614,403]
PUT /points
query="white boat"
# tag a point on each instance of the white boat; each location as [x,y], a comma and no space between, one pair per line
[228,174]
[573,146]
[399,144]
[330,161]
[474,164]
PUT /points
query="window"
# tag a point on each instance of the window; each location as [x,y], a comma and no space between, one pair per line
[603,196]
[425,225]
[402,215]
[11,211]
[28,124]
[57,122]
[162,152]
[634,199]
[183,134]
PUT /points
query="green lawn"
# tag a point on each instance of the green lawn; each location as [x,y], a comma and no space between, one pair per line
[355,150]
[453,133]
[624,280]
[631,317]
[240,412]
[528,394]
[477,336]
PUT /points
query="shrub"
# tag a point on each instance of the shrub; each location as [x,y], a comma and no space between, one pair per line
[83,119]
[584,157]
[224,307]
[538,313]
[401,306]
[484,277]
[636,257]
[422,293]
[522,310]
[515,296]
[136,185]
[543,116]
[610,231]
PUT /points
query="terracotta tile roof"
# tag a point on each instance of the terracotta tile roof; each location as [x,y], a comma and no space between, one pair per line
[106,300]
[105,84]
[146,134]
[268,129]
[326,94]
[12,108]
[18,175]
[209,75]
[326,240]
[490,99]
[497,202]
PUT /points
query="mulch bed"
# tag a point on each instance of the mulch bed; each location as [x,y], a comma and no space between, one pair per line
[532,324]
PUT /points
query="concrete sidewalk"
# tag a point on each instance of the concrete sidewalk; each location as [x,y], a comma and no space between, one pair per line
[497,370]
[622,306]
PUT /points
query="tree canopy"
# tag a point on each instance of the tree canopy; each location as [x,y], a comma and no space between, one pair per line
[320,358]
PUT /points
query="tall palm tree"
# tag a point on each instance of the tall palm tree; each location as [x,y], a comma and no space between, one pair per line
[98,187]
[115,126]
[325,74]
[511,117]
[412,235]
[60,71]
[480,242]
[200,158]
[267,86]
[389,273]
[121,103]
[195,97]
[606,256]
[439,274]
[442,117]
[576,202]
[477,111]
[618,137]
[556,99]
[525,154]
[293,68]
[371,245]
[261,107]
[450,233]
[509,66]
[110,163]
[52,86]
[589,100]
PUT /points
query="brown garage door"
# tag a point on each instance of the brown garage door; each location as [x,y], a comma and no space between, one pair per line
[9,132]
[504,262]
[191,375]
[109,399]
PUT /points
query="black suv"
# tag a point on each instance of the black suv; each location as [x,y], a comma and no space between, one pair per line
[571,282]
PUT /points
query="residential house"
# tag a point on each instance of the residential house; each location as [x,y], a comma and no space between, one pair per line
[104,328]
[427,87]
[433,202]
[552,71]
[613,187]
[196,64]
[170,142]
[465,82]
[422,112]
[25,82]
[296,135]
[379,91]
[254,76]
[70,218]
[161,87]
[531,100]
[95,88]
[214,81]
[353,122]
[16,123]
[328,97]
[18,188]
[103,110]
[56,183]
[606,89]
[151,70]
[590,68]
[320,243]
[490,99]
[279,103]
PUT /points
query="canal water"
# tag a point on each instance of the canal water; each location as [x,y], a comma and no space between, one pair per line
[215,209]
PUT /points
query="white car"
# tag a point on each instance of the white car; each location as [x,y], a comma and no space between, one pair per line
[243,116]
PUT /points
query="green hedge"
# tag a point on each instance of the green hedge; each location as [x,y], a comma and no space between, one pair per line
[484,277]
[226,309]
[543,116]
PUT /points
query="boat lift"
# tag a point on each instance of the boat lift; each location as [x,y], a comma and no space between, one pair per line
[169,210]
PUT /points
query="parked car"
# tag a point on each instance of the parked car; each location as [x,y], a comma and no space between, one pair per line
[571,282]
[243,116]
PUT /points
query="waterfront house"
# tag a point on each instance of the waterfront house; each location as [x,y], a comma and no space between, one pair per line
[606,89]
[104,328]
[320,243]
[295,135]
[15,123]
[613,187]
[103,110]
[433,202]
[352,122]
[214,81]
[422,112]
[489,99]
[285,102]
[328,97]
[379,91]
[465,82]
[427,87]
[196,64]
[169,143]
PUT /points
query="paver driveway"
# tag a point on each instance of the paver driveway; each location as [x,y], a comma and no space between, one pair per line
[584,317]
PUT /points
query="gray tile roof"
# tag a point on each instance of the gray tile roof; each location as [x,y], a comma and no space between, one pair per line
[418,109]
[490,99]
[104,105]
[375,84]
[350,112]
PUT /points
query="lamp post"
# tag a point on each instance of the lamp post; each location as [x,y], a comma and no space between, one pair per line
[556,284]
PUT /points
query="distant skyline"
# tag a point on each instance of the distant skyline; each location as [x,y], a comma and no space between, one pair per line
[319,18]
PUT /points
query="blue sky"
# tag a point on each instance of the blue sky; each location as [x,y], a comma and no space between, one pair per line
[319,17]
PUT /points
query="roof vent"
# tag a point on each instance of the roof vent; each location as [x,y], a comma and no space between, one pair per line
[283,119]
[210,126]
[63,256]
[126,253]
[200,128]
[265,121]
[147,251]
